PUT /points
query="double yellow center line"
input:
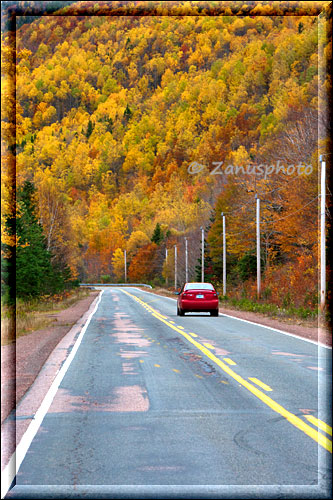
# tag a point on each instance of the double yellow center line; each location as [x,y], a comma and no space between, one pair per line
[290,417]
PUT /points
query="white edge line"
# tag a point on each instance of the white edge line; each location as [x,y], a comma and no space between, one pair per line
[9,472]
[252,323]
[280,331]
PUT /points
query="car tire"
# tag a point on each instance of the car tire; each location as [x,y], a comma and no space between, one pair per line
[181,312]
[214,313]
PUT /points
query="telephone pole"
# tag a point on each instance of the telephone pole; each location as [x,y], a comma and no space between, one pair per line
[224,258]
[166,266]
[322,235]
[125,265]
[175,267]
[258,248]
[186,261]
[202,255]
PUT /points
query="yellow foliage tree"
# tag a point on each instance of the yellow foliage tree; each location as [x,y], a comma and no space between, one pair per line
[118,264]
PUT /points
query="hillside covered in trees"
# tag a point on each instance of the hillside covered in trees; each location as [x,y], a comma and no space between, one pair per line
[137,130]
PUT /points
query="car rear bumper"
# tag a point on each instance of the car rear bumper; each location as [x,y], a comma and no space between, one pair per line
[200,306]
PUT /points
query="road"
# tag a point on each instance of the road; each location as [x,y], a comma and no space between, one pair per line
[154,405]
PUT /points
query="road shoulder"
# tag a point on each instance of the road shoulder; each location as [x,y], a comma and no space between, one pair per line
[15,425]
[21,362]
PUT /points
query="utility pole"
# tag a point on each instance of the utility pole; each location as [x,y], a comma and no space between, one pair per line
[322,235]
[175,267]
[258,248]
[125,266]
[186,261]
[224,258]
[202,255]
[166,266]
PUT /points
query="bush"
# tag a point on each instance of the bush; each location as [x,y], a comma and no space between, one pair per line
[106,278]
[247,266]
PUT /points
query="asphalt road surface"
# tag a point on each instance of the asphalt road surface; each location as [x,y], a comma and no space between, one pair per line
[158,406]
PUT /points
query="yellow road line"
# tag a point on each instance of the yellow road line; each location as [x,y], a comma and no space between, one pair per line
[178,326]
[157,366]
[155,312]
[320,424]
[146,306]
[210,346]
[164,317]
[229,361]
[290,417]
[193,334]
[175,370]
[261,384]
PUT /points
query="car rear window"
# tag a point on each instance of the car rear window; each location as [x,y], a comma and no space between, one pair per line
[199,286]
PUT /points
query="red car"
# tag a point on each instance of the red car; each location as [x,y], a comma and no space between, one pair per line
[197,297]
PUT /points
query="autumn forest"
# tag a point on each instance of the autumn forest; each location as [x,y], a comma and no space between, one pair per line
[135,129]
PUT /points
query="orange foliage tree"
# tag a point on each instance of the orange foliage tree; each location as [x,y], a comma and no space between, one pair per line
[144,266]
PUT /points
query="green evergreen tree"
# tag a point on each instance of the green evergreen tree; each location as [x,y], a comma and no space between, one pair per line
[110,125]
[35,274]
[246,266]
[8,255]
[90,128]
[158,235]
[127,113]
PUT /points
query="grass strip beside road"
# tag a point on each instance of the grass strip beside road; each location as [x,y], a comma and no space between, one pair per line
[290,417]
[271,310]
[28,316]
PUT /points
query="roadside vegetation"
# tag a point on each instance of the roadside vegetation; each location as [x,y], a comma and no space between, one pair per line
[272,310]
[35,314]
[305,315]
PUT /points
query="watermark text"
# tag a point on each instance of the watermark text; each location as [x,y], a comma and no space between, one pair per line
[260,170]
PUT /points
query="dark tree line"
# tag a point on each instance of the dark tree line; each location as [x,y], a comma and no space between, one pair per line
[28,269]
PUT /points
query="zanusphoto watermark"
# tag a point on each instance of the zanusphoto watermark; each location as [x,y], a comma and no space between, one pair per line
[261,169]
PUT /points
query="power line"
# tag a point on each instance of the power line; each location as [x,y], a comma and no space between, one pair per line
[238,209]
[293,213]
[275,220]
